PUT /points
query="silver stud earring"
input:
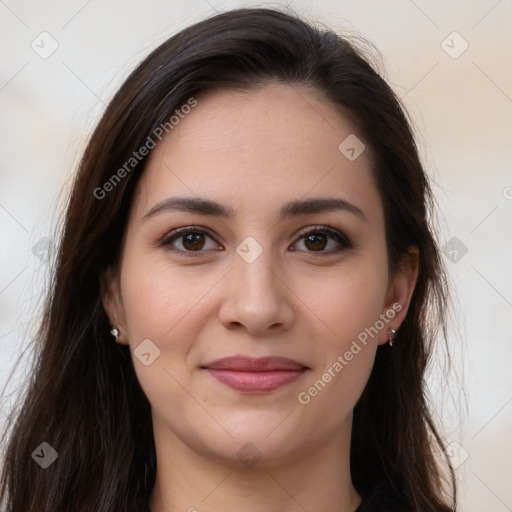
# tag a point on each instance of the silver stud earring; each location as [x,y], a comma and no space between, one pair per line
[114,333]
[391,336]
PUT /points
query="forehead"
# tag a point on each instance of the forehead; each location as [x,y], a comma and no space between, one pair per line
[262,147]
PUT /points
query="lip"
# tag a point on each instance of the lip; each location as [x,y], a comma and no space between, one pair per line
[255,375]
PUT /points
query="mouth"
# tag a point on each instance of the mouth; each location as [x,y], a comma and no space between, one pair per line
[255,375]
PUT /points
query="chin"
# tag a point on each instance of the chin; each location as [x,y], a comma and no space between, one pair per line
[248,446]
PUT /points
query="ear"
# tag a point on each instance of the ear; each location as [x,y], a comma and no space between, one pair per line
[401,288]
[111,299]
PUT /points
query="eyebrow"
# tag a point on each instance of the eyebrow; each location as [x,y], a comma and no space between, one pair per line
[295,208]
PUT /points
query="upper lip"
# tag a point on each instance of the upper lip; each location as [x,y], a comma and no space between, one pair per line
[252,364]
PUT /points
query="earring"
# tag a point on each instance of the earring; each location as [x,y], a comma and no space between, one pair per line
[114,333]
[391,336]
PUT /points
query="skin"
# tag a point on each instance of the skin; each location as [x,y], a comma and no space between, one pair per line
[253,152]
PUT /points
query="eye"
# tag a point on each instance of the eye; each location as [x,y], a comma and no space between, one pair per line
[192,239]
[188,240]
[316,240]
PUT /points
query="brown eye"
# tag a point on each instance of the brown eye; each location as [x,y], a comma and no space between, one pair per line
[320,238]
[315,241]
[193,241]
[188,241]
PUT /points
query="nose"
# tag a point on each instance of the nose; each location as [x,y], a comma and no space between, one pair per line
[257,298]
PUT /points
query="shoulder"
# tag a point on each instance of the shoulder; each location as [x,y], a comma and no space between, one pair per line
[382,498]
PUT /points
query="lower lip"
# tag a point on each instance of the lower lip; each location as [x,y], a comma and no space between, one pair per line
[256,382]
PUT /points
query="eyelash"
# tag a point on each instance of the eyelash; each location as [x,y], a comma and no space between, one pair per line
[334,233]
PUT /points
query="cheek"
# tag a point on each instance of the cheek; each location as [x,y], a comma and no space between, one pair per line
[159,298]
[347,299]
[169,306]
[347,305]
[163,305]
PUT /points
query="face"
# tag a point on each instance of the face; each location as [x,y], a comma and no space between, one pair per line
[270,269]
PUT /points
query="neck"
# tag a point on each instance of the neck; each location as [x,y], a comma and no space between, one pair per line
[189,481]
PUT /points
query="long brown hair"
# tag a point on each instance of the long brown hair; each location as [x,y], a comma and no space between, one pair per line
[84,399]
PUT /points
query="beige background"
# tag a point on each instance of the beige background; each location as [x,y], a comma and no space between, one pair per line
[462,110]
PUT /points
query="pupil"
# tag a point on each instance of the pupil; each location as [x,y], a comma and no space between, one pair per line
[316,244]
[192,240]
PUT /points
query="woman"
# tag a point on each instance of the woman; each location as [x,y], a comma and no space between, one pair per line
[242,309]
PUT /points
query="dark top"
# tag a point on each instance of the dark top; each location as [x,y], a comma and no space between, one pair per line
[381,500]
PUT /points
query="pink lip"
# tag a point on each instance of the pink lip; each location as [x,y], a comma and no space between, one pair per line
[255,375]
